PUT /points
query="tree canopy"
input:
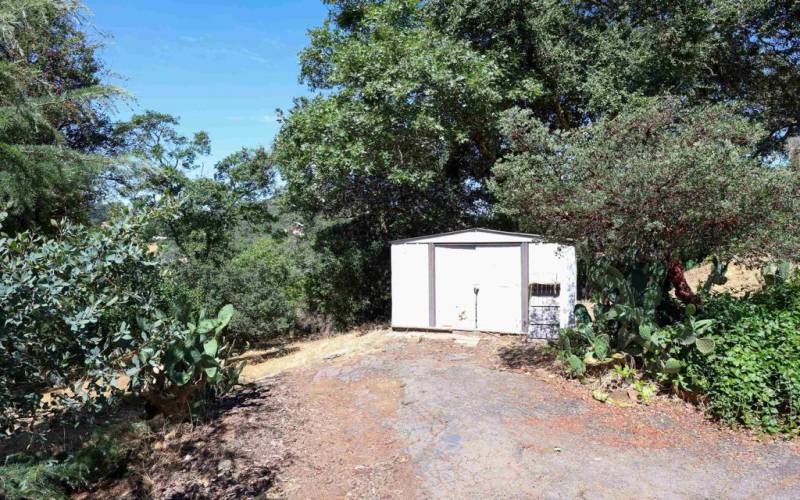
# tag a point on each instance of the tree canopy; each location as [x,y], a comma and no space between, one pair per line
[660,182]
[157,163]
[412,99]
[53,114]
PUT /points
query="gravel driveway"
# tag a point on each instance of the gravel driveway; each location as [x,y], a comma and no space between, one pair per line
[436,419]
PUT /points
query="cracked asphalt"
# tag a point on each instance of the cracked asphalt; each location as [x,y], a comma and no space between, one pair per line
[436,420]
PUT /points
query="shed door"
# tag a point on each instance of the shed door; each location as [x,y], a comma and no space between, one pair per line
[455,300]
[499,303]
[494,271]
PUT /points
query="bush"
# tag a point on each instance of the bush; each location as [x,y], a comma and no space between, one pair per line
[79,309]
[741,356]
[753,375]
[348,279]
[67,306]
[106,453]
[264,281]
[266,284]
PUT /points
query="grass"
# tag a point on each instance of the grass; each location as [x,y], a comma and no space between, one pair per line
[105,454]
[271,362]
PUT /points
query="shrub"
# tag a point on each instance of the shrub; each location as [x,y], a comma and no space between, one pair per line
[741,356]
[348,279]
[66,304]
[266,284]
[79,309]
[264,281]
[753,375]
[106,453]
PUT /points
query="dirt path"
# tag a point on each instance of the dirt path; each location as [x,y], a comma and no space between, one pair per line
[436,419]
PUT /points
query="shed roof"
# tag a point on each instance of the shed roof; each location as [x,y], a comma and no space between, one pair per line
[475,235]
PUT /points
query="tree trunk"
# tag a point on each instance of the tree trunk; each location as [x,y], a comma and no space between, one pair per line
[677,277]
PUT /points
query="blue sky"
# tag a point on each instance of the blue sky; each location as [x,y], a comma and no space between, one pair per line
[223,67]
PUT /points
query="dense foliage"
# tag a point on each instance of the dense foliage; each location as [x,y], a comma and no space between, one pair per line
[660,182]
[392,147]
[265,280]
[79,309]
[736,355]
[415,102]
[160,161]
[53,114]
[66,305]
[753,375]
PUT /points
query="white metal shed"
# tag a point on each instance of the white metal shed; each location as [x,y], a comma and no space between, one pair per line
[482,279]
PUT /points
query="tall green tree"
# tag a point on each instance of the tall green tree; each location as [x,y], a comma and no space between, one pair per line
[590,57]
[403,131]
[661,182]
[53,114]
[398,141]
[162,164]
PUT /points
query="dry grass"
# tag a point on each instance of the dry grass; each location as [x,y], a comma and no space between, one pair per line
[741,280]
[271,362]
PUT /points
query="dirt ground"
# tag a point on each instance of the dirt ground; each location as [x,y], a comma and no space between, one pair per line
[411,417]
[404,415]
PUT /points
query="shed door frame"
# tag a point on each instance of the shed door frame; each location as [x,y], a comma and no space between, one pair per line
[524,277]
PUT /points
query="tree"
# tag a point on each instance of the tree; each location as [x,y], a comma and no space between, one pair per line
[395,144]
[159,163]
[590,58]
[52,114]
[403,133]
[662,182]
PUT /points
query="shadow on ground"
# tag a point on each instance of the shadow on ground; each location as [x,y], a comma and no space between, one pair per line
[259,356]
[526,355]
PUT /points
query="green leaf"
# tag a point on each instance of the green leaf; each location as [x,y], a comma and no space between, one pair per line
[702,325]
[212,372]
[645,331]
[211,347]
[672,366]
[206,325]
[575,365]
[706,345]
[601,346]
[582,316]
[195,355]
[224,317]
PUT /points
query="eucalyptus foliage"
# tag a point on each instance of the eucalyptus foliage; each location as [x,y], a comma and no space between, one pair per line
[79,309]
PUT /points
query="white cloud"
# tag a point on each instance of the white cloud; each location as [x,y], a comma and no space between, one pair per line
[266,118]
[191,39]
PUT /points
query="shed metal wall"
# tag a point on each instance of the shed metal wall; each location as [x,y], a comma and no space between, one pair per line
[555,263]
[410,285]
[433,280]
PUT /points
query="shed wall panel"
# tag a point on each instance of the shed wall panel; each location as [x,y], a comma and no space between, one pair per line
[410,285]
[554,263]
